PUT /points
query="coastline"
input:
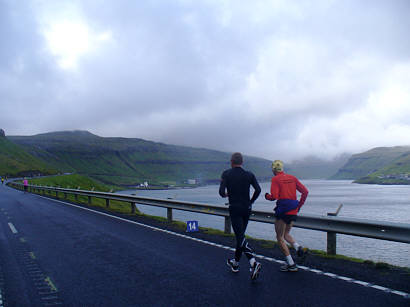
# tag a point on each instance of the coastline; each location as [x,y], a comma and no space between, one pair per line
[371,180]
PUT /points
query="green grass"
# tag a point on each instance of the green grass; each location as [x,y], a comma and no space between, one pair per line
[325,255]
[114,205]
[72,181]
[15,161]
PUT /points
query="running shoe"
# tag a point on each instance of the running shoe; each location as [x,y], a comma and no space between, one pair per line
[255,270]
[289,268]
[234,267]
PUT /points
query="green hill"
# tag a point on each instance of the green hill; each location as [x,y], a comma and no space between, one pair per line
[130,161]
[15,161]
[397,172]
[366,163]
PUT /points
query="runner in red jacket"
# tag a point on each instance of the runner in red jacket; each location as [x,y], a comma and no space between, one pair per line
[283,190]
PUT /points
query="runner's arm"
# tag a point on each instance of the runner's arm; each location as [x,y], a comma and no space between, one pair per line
[257,188]
[301,189]
[222,186]
[274,192]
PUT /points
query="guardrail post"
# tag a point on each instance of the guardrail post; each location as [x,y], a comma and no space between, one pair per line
[133,207]
[76,197]
[228,224]
[107,202]
[331,236]
[56,194]
[169,214]
[89,200]
[65,195]
[331,243]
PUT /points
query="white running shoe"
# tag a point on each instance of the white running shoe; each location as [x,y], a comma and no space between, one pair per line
[234,267]
[255,270]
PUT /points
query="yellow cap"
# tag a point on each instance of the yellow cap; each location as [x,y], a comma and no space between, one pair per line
[277,166]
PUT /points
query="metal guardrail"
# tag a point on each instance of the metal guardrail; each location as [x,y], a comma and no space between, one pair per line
[398,232]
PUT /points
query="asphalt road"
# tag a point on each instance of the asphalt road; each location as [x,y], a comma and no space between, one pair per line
[58,254]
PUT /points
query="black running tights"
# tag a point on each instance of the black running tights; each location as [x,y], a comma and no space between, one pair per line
[239,223]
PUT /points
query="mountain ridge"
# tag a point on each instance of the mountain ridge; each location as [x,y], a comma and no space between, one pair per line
[130,161]
[118,160]
[376,165]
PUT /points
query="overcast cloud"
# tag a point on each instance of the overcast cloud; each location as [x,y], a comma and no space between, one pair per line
[275,79]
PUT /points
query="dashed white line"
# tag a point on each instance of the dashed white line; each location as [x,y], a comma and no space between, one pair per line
[12,228]
[319,272]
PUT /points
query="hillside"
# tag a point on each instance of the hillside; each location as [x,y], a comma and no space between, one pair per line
[14,161]
[374,160]
[397,172]
[130,161]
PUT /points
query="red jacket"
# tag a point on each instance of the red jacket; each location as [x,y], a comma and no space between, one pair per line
[284,186]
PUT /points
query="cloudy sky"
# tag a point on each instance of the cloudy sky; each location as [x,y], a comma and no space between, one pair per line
[275,79]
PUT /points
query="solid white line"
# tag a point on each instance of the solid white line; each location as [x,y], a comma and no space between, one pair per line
[13,229]
[380,288]
[345,278]
[319,272]
[330,275]
[363,283]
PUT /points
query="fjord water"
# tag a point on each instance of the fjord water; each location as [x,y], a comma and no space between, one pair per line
[362,201]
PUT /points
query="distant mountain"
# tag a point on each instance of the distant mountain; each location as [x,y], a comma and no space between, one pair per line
[15,161]
[316,168]
[397,172]
[130,161]
[378,162]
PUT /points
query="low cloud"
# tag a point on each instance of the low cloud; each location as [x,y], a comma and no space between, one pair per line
[270,78]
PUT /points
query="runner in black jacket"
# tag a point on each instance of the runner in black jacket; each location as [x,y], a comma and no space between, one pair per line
[235,184]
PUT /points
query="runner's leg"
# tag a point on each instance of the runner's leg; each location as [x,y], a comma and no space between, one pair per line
[292,241]
[287,235]
[248,251]
[280,227]
[239,230]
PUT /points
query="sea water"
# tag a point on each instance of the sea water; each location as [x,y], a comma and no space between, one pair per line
[363,201]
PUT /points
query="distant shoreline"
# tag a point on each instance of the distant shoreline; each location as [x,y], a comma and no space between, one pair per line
[369,180]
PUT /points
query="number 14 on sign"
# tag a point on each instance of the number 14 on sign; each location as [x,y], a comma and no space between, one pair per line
[192,226]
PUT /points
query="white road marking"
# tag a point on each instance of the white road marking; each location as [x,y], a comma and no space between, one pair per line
[319,272]
[13,229]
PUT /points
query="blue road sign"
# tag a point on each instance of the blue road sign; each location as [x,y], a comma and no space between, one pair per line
[192,226]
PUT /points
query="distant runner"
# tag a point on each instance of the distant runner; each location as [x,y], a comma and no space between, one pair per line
[235,184]
[25,183]
[283,189]
[2,180]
